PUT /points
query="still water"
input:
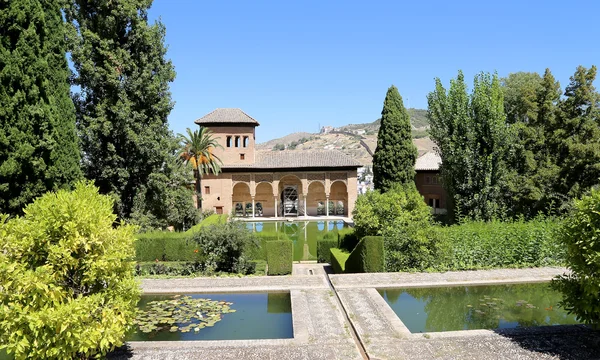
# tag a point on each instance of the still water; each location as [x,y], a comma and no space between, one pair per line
[256,316]
[477,307]
[304,234]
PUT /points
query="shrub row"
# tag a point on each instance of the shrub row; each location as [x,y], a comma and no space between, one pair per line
[323,246]
[166,246]
[338,260]
[367,256]
[280,255]
[476,245]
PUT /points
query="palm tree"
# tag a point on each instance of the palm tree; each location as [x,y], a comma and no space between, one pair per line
[197,150]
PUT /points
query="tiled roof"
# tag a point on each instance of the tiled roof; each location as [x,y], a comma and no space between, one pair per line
[430,161]
[299,159]
[226,116]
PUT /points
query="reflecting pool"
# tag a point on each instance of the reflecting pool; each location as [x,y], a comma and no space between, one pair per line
[477,307]
[254,316]
[304,234]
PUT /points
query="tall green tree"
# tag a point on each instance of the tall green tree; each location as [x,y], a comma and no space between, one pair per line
[395,155]
[472,138]
[577,134]
[533,168]
[520,96]
[167,199]
[123,99]
[198,152]
[39,149]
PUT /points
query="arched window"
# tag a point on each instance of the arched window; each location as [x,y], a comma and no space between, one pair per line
[229,141]
[237,141]
[246,141]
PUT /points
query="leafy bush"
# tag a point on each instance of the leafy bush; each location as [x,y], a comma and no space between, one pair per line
[338,260]
[224,246]
[67,283]
[580,234]
[323,246]
[404,220]
[477,245]
[279,257]
[367,256]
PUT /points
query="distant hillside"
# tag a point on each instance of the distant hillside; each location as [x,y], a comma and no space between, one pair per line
[350,139]
[418,120]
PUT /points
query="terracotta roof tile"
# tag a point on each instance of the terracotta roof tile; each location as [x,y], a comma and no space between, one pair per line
[299,159]
[226,116]
[430,161]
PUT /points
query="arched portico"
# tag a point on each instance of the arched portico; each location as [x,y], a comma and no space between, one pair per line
[241,198]
[338,199]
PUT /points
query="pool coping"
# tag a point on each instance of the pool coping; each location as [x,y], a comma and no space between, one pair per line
[300,334]
[305,291]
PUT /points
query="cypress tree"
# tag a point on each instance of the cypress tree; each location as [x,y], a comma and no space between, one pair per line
[124,98]
[38,144]
[395,155]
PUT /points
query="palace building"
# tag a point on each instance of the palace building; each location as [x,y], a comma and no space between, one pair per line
[274,183]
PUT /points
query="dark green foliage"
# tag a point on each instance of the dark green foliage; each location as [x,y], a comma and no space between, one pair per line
[395,155]
[224,246]
[581,288]
[122,99]
[166,246]
[404,220]
[497,244]
[521,90]
[531,105]
[347,239]
[39,150]
[166,199]
[577,133]
[279,257]
[323,246]
[178,268]
[472,138]
[367,256]
[338,260]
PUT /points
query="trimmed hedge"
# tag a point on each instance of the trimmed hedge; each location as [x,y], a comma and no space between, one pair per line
[347,239]
[367,256]
[210,220]
[323,246]
[495,244]
[280,257]
[338,260]
[165,246]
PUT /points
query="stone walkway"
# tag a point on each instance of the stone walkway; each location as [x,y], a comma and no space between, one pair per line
[324,330]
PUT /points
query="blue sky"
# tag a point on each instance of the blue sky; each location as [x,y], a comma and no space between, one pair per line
[295,65]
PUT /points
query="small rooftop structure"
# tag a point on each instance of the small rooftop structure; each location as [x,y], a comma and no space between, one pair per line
[225,116]
[430,161]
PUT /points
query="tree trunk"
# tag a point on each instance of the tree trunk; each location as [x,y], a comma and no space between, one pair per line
[198,191]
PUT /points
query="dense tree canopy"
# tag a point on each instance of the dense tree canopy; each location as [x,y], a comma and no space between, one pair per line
[395,155]
[472,138]
[38,143]
[123,99]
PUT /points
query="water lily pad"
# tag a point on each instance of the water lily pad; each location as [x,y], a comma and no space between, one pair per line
[181,313]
